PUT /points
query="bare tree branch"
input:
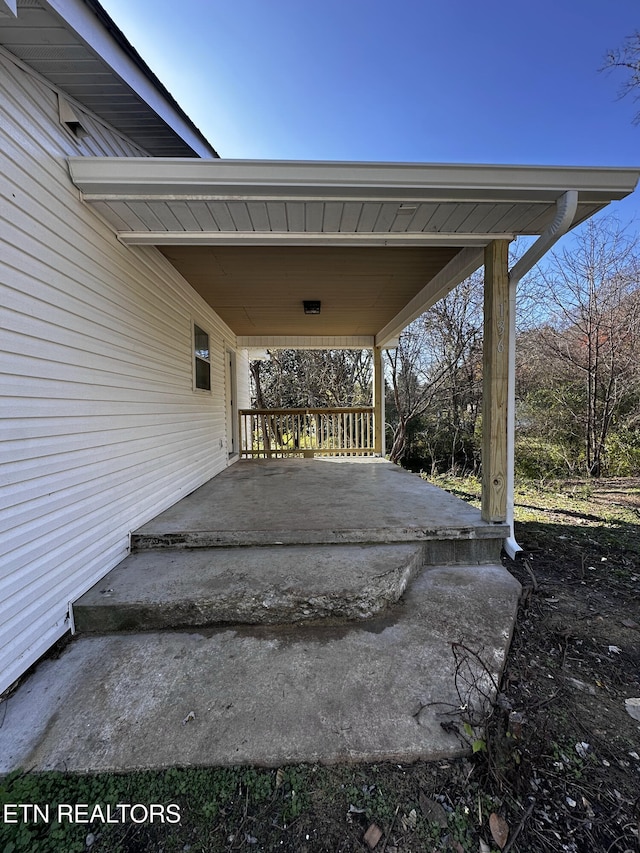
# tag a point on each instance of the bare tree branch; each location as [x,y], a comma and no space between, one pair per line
[627,58]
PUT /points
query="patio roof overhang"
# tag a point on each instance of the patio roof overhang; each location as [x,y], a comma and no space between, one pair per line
[376,243]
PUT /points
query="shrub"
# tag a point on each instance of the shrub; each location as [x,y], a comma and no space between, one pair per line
[538,458]
[623,452]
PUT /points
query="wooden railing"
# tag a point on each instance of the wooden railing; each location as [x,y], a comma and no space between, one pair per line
[273,433]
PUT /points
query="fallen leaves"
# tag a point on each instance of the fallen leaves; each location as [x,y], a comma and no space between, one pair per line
[499,829]
[432,810]
[582,749]
[409,821]
[372,836]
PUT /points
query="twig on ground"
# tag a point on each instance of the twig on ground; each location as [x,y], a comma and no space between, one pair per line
[619,838]
[534,580]
[386,841]
[537,705]
[516,832]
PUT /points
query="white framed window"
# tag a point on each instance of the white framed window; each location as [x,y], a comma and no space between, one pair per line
[201,359]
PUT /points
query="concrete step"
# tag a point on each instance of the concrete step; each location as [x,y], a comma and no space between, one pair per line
[442,544]
[181,588]
[324,502]
[376,691]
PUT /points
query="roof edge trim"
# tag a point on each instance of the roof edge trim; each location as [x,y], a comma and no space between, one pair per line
[180,177]
[305,342]
[285,238]
[94,26]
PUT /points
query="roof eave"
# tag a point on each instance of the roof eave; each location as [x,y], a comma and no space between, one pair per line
[97,30]
[100,177]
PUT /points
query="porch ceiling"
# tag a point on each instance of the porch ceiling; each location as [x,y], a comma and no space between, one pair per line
[260,289]
[376,243]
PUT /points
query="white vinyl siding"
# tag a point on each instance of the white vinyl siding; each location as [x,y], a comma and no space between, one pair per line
[101,428]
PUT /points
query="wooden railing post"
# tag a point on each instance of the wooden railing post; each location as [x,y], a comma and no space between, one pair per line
[266,435]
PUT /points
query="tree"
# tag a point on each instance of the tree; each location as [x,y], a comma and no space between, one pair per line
[312,379]
[590,342]
[410,395]
[435,380]
[627,58]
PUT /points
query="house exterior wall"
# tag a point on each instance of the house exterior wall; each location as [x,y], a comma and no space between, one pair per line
[101,428]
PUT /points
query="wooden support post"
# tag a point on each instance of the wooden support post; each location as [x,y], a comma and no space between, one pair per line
[495,381]
[378,403]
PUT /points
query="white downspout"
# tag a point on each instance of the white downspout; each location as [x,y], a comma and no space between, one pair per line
[565,213]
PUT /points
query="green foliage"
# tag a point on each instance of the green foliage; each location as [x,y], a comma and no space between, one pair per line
[538,458]
[477,744]
[444,443]
[204,795]
[312,378]
[293,792]
[374,801]
[52,789]
[623,452]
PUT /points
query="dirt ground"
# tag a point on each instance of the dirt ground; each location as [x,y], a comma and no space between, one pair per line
[559,767]
[572,777]
[556,769]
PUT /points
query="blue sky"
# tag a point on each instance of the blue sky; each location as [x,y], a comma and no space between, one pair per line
[417,81]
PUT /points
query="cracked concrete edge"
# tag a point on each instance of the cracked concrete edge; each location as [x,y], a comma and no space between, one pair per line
[109,703]
[265,538]
[133,606]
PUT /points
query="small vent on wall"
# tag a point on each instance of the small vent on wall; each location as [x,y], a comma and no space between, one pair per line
[70,119]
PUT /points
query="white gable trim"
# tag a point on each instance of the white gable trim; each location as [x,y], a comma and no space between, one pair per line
[78,16]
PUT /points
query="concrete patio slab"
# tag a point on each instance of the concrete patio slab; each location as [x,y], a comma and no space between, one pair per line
[366,691]
[178,588]
[320,501]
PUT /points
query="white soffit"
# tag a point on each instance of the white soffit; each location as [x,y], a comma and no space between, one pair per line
[223,202]
[256,237]
[77,47]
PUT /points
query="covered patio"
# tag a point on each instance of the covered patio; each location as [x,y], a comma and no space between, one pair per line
[346,255]
[308,609]
[288,541]
[321,501]
[291,610]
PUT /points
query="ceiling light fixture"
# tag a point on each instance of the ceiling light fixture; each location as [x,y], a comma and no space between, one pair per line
[311,306]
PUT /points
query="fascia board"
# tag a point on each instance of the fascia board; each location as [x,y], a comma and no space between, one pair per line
[305,341]
[275,238]
[179,178]
[76,15]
